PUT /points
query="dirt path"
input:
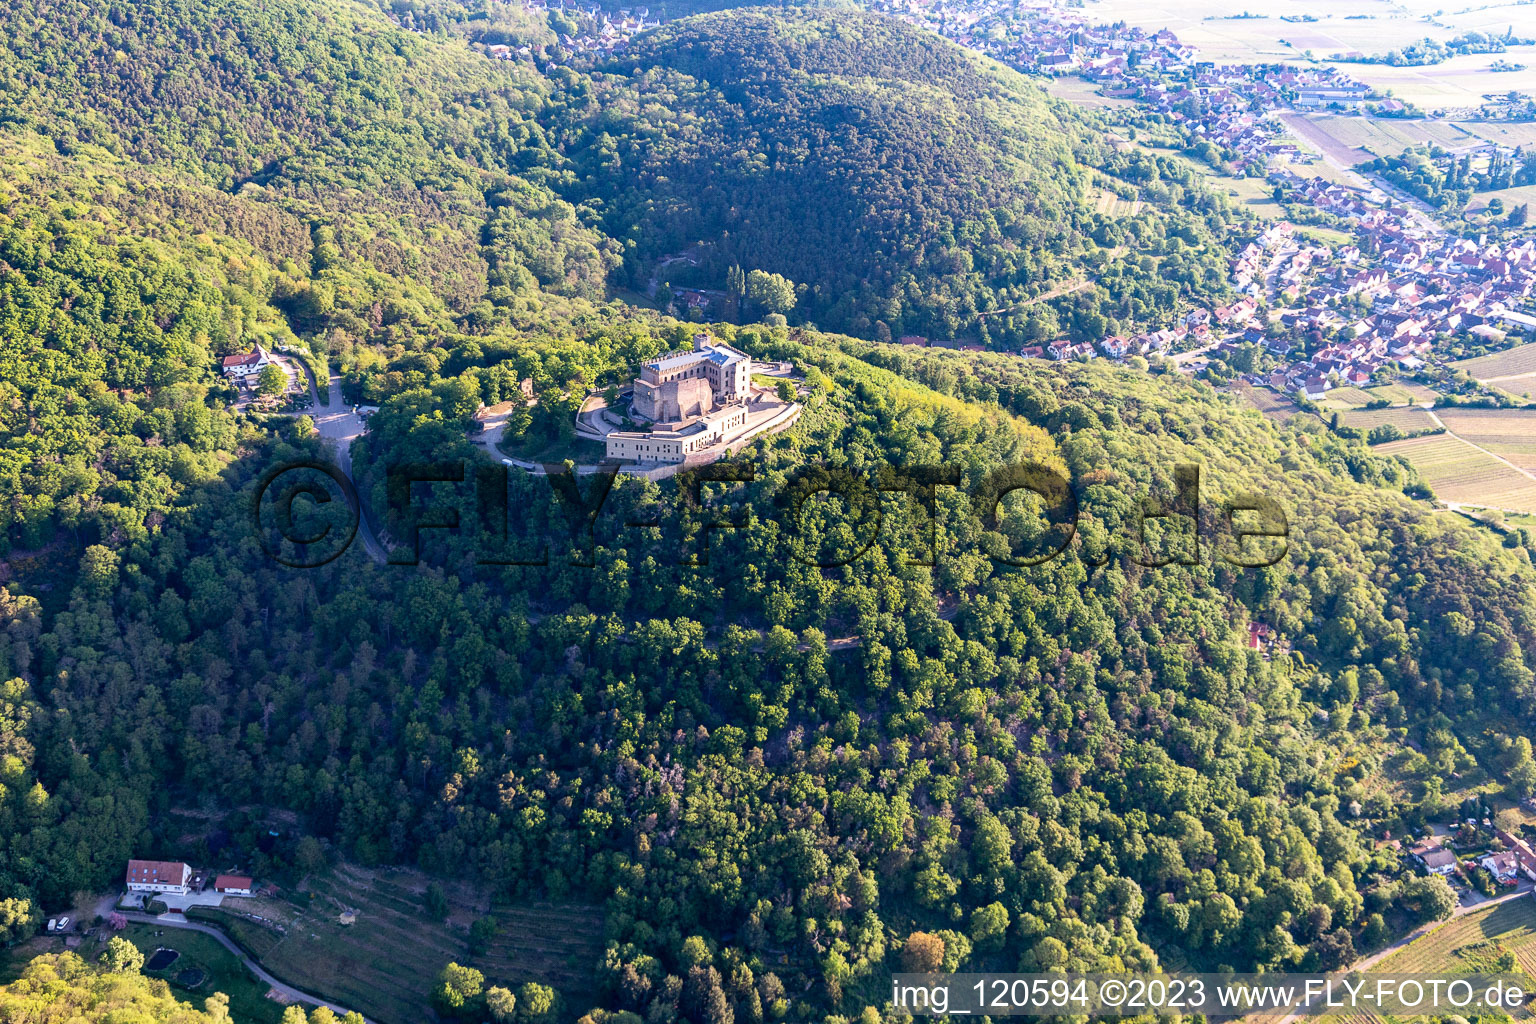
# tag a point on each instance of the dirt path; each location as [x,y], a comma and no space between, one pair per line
[1058,291]
[165,921]
[1492,455]
[1513,376]
[1054,293]
[1367,962]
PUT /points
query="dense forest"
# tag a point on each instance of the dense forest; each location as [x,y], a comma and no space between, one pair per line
[902,183]
[860,736]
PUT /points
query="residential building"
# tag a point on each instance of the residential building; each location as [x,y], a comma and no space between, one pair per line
[247,364]
[163,876]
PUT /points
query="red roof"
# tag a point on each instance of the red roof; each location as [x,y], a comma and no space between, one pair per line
[232,882]
[247,359]
[157,872]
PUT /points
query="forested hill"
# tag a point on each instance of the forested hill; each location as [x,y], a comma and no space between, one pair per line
[892,174]
[900,183]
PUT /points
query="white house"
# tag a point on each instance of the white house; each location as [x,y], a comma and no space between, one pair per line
[1504,866]
[233,885]
[1439,862]
[159,876]
[247,364]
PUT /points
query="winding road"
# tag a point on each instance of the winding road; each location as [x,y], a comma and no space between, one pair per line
[338,422]
[281,987]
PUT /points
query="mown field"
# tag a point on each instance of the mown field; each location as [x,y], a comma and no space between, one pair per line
[1255,194]
[1403,393]
[1340,399]
[1524,195]
[1083,93]
[222,972]
[1459,472]
[1507,432]
[1512,362]
[385,963]
[1408,419]
[1467,944]
[1110,205]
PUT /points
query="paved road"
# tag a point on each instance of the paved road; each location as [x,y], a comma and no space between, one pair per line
[281,987]
[337,422]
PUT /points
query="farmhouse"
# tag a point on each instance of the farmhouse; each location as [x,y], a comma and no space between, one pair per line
[159,876]
[1524,856]
[233,885]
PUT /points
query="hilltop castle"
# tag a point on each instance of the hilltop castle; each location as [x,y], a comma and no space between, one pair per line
[694,404]
[686,385]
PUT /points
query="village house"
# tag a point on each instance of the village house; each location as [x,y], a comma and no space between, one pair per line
[1439,861]
[1503,866]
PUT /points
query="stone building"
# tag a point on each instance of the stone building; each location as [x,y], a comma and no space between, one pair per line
[691,400]
[682,386]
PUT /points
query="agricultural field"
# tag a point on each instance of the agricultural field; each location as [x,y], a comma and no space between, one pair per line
[1460,473]
[1469,943]
[1418,393]
[1385,137]
[1323,134]
[1277,407]
[1456,83]
[1340,399]
[1111,205]
[384,963]
[1512,362]
[1507,432]
[1378,25]
[1084,93]
[1524,195]
[1506,133]
[1402,393]
[1366,26]
[1408,419]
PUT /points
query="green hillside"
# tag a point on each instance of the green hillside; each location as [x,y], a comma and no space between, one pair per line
[887,171]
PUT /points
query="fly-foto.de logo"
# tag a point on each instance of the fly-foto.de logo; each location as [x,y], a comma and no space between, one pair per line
[308,513]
